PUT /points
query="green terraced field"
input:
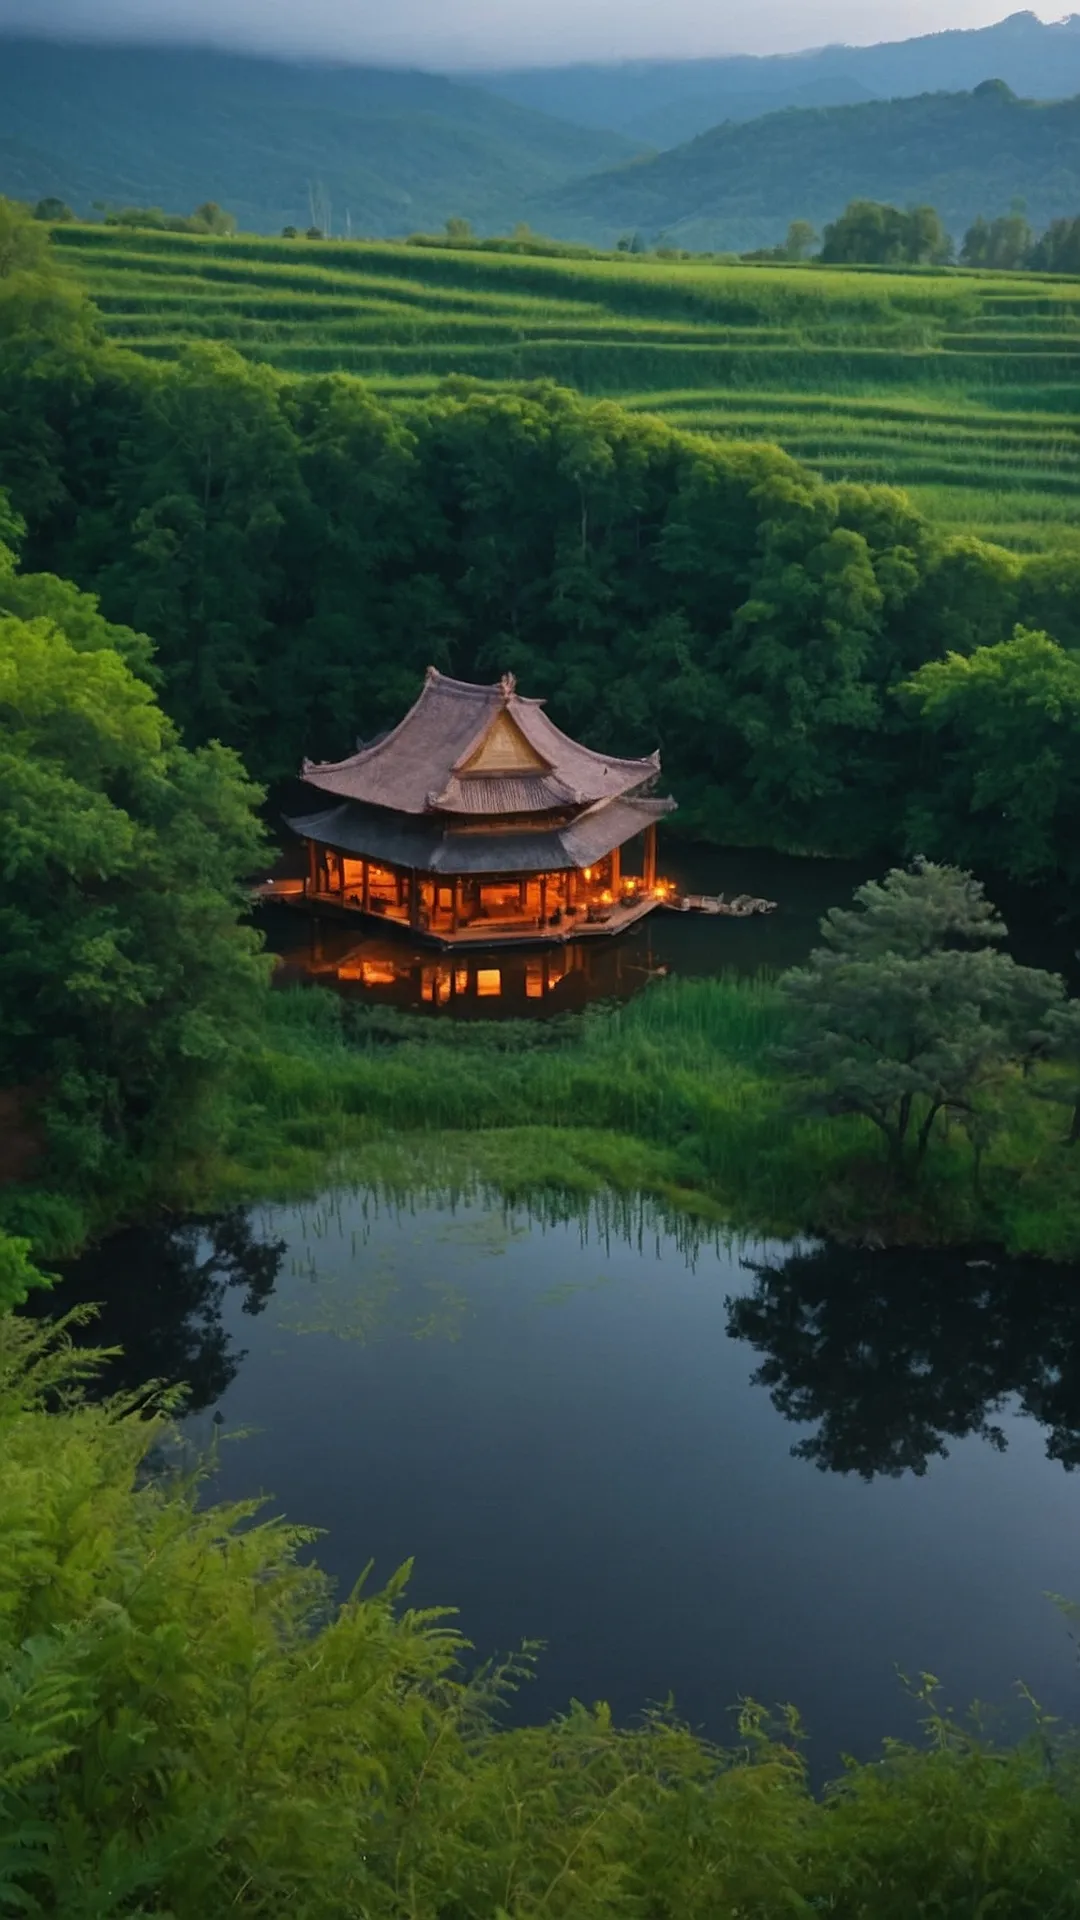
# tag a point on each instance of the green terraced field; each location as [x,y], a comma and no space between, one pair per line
[963,388]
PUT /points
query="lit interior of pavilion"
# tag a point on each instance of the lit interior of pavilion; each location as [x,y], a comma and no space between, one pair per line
[477,822]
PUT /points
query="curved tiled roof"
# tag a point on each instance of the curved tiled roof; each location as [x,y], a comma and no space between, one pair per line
[435,759]
[436,845]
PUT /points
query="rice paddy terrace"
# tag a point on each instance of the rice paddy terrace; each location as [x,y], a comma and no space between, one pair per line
[963,388]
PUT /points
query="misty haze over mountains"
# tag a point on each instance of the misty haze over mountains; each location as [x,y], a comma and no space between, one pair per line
[748,143]
[665,102]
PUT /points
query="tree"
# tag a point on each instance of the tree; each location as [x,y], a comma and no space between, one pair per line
[901,1016]
[39,305]
[927,242]
[458,231]
[1058,251]
[801,239]
[872,233]
[210,218]
[128,973]
[1005,785]
[24,247]
[1058,1040]
[1005,243]
[56,212]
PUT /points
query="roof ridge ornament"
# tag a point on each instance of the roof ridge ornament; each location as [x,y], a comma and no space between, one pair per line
[508,685]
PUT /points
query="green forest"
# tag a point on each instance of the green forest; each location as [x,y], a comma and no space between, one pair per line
[958,386]
[964,153]
[703,154]
[211,567]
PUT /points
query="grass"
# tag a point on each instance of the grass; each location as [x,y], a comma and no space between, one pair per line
[672,1097]
[961,387]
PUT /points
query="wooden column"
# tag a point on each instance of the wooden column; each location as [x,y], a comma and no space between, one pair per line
[616,871]
[414,899]
[454,896]
[523,895]
[650,857]
[543,898]
[312,870]
[365,883]
[341,874]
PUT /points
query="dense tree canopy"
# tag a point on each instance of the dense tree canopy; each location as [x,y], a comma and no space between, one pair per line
[870,233]
[126,974]
[301,549]
[1006,725]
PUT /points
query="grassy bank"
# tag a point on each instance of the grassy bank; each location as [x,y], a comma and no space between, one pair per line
[673,1096]
[958,386]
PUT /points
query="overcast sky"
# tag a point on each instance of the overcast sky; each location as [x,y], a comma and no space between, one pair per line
[477,33]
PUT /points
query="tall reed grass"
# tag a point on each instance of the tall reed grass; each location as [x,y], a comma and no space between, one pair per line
[675,1096]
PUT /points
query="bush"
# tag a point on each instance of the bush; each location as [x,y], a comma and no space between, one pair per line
[189,1727]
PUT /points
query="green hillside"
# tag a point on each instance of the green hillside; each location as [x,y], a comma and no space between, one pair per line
[669,101]
[393,151]
[963,388]
[738,186]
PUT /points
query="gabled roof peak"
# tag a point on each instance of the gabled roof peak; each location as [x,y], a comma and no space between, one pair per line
[479,750]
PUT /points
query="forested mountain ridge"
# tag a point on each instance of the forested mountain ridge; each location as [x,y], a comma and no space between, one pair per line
[666,102]
[737,186]
[393,151]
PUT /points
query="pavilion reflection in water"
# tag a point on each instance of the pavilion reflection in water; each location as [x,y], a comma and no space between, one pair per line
[500,981]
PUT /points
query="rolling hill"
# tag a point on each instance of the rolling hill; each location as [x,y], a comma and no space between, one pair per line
[961,387]
[666,102]
[738,186]
[394,151]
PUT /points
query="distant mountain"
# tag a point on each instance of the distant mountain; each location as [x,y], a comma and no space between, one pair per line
[666,102]
[738,186]
[393,151]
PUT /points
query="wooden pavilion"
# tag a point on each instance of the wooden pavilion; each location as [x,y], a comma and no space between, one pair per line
[477,822]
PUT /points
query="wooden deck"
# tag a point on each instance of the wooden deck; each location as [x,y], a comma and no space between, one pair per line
[480,933]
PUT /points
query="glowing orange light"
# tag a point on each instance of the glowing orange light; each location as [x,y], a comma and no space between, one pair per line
[588,873]
[606,897]
[488,981]
[378,973]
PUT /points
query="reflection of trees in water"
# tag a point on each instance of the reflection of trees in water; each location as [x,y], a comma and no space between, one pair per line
[894,1353]
[161,1290]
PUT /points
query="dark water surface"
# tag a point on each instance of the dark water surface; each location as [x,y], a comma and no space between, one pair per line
[383,968]
[766,1469]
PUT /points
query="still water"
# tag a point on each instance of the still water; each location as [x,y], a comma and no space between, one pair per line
[378,968]
[688,1467]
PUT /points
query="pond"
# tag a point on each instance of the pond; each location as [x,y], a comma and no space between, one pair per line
[688,1467]
[385,969]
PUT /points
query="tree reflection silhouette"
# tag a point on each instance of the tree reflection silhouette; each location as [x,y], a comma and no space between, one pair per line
[894,1353]
[160,1290]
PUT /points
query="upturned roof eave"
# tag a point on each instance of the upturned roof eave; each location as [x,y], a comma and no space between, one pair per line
[406,775]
